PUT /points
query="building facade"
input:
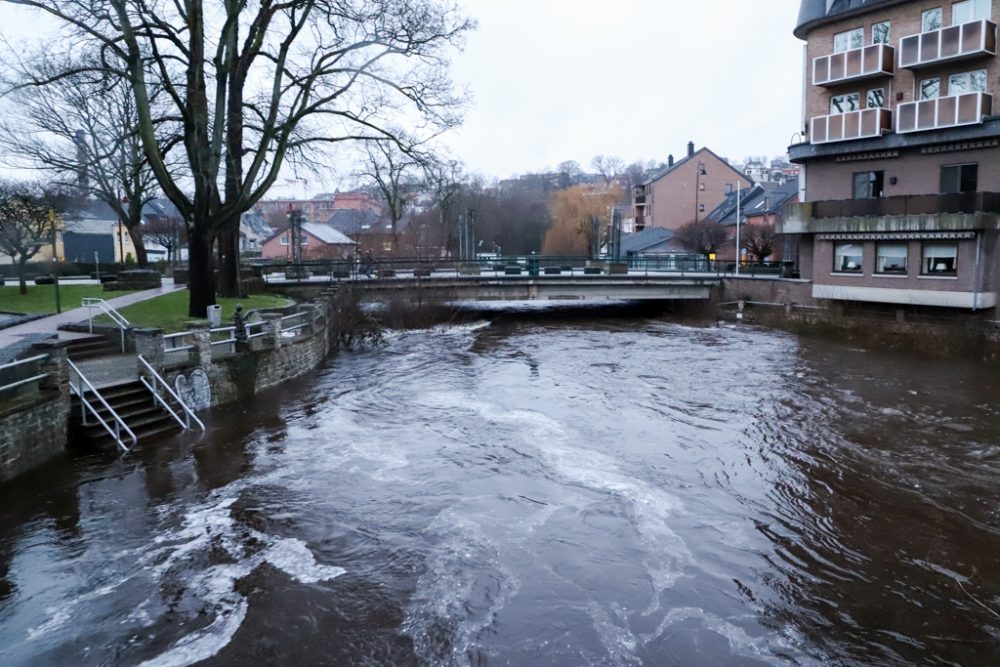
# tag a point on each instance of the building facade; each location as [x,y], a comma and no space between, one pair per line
[684,191]
[901,152]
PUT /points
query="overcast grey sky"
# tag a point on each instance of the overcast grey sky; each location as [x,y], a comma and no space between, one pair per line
[556,80]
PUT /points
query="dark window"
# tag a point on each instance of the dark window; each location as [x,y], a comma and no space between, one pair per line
[959,178]
[891,258]
[868,184]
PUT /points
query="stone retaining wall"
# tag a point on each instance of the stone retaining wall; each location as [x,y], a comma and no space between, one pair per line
[34,424]
[789,306]
[258,364]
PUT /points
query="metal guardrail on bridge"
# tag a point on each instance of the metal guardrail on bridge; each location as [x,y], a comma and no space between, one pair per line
[341,270]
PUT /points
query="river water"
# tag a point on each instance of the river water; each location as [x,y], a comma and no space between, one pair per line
[536,491]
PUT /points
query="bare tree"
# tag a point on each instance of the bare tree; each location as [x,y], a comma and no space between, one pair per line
[759,239]
[26,224]
[703,237]
[444,178]
[609,167]
[254,85]
[80,129]
[392,172]
[165,232]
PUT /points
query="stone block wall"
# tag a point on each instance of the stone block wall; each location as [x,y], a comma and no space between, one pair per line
[259,364]
[34,427]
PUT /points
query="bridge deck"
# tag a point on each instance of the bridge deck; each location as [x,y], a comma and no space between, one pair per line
[489,287]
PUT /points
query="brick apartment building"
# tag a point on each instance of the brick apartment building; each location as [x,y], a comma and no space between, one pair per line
[685,190]
[901,153]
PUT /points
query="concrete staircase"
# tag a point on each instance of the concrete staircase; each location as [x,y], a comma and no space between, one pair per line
[93,347]
[134,403]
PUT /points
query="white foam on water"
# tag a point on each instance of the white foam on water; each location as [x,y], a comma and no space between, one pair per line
[204,528]
[463,589]
[62,614]
[205,643]
[772,648]
[293,557]
[617,640]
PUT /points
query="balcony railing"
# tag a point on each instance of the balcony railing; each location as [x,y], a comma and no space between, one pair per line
[962,202]
[862,124]
[854,65]
[942,112]
[968,40]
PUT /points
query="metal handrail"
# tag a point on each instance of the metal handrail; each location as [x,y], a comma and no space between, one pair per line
[175,336]
[158,380]
[293,316]
[116,317]
[262,332]
[24,381]
[85,405]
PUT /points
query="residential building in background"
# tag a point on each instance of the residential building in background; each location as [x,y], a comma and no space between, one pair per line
[901,152]
[319,241]
[685,190]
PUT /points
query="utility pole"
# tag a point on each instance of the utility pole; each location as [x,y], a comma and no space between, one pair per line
[55,258]
[739,184]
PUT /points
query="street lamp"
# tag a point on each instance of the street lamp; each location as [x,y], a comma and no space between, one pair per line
[697,189]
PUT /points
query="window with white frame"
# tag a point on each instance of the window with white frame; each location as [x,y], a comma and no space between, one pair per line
[930,89]
[876,98]
[847,257]
[940,259]
[845,103]
[284,239]
[967,82]
[970,10]
[890,258]
[930,20]
[848,40]
[881,33]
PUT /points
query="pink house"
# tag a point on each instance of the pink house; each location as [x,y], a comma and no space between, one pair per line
[319,241]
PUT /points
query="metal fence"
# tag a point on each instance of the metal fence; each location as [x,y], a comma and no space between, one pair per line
[22,376]
[340,270]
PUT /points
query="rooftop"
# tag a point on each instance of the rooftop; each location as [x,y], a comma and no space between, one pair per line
[814,13]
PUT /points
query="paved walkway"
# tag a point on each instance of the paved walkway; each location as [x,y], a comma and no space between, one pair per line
[47,327]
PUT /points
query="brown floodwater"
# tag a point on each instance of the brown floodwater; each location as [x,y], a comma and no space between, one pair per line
[536,491]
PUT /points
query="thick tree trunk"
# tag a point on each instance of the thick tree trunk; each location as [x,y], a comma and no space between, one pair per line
[22,280]
[201,277]
[229,261]
[141,256]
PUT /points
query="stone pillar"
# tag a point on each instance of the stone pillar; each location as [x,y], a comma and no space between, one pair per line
[201,339]
[55,366]
[150,346]
[273,328]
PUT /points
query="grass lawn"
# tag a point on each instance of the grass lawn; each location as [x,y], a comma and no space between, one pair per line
[169,312]
[42,298]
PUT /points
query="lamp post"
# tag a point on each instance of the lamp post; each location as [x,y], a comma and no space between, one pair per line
[697,189]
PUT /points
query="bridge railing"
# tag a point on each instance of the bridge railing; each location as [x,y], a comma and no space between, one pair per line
[339,270]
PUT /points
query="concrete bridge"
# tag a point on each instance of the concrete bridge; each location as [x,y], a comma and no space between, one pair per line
[538,279]
[518,288]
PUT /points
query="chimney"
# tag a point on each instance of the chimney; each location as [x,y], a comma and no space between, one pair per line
[82,173]
[690,148]
[670,160]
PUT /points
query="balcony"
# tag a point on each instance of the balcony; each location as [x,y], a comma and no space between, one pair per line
[943,112]
[956,42]
[939,204]
[861,124]
[855,65]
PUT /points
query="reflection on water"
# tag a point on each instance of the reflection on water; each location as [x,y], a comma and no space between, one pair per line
[535,492]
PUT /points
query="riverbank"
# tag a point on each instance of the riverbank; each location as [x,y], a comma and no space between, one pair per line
[788,305]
